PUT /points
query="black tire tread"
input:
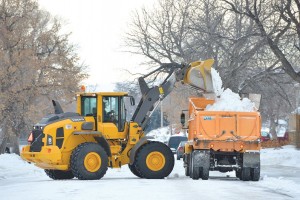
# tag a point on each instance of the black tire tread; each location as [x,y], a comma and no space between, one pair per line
[140,158]
[59,174]
[245,174]
[205,173]
[255,174]
[74,160]
[134,170]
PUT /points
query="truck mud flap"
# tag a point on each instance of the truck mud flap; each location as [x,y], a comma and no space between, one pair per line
[251,159]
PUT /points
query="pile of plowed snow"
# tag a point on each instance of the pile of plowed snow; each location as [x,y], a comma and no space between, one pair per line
[12,165]
[228,100]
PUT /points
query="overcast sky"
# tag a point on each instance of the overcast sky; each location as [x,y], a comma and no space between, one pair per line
[98,27]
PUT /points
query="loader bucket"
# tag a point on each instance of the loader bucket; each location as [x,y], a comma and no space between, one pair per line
[199,75]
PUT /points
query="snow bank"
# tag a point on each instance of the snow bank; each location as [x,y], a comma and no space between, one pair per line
[20,180]
[11,165]
[228,100]
[287,156]
[161,134]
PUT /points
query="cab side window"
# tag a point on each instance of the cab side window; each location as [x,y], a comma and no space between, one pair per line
[88,106]
[110,109]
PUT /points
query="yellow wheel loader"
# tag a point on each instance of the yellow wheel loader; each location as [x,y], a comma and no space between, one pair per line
[84,144]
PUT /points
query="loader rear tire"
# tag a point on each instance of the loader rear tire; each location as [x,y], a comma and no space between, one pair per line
[89,161]
[154,160]
[58,174]
[134,170]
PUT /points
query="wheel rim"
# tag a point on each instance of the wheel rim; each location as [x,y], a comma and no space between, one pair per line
[92,162]
[155,161]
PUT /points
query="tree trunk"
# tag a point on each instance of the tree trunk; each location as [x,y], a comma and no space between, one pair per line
[273,127]
[297,131]
[15,144]
[3,145]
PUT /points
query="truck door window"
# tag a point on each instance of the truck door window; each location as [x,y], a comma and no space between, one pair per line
[89,106]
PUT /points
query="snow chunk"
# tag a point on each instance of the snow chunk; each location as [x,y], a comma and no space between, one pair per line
[217,82]
[228,100]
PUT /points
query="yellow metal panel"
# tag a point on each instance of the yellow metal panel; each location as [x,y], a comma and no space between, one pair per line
[134,133]
[161,90]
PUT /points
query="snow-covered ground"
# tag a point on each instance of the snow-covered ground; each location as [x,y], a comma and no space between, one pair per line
[280,179]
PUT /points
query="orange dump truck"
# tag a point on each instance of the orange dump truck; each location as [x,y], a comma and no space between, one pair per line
[222,141]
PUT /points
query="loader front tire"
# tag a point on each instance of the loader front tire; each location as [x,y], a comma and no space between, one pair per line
[134,170]
[89,161]
[154,160]
[58,174]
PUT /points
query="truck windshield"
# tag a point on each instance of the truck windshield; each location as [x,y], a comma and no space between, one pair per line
[89,106]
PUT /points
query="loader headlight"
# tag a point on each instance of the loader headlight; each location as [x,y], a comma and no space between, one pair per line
[49,140]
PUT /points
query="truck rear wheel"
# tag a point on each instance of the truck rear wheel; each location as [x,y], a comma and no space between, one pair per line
[255,174]
[245,175]
[154,160]
[134,170]
[89,161]
[238,174]
[58,174]
[195,172]
[205,173]
[190,166]
[186,160]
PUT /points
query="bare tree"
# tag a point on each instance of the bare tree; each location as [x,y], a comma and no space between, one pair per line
[237,34]
[37,63]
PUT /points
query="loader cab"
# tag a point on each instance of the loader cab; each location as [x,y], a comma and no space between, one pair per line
[107,109]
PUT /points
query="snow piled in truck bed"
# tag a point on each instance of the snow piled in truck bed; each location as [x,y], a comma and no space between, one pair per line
[228,100]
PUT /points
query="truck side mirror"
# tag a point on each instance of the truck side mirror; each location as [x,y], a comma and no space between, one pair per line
[182,119]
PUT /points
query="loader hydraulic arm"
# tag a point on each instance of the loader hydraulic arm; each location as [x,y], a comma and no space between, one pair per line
[196,74]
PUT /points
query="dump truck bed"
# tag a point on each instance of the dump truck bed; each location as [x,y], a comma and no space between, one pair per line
[222,130]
